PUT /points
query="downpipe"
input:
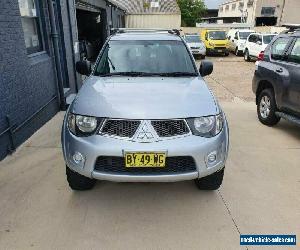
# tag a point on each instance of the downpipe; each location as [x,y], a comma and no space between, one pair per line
[57,62]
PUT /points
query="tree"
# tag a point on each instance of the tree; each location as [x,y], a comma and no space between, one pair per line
[191,11]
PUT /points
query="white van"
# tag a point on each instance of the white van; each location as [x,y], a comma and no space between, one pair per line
[237,39]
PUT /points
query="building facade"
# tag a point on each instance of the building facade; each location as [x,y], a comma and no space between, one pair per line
[259,12]
[39,45]
[151,13]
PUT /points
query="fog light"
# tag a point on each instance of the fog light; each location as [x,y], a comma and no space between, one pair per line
[78,158]
[212,157]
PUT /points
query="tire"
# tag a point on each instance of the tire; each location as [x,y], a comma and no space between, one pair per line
[211,182]
[226,54]
[202,57]
[266,108]
[247,56]
[79,182]
[237,53]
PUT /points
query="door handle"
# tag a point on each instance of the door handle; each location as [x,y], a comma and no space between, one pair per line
[279,70]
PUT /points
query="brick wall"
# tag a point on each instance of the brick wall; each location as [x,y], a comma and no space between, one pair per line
[26,83]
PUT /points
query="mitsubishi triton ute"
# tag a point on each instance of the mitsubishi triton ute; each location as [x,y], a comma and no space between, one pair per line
[145,114]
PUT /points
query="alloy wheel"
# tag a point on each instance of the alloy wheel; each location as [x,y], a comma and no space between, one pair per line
[265,107]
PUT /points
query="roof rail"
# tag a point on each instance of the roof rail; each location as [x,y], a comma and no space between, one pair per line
[128,30]
[292,28]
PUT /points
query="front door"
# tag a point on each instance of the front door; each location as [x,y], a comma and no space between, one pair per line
[279,72]
[294,71]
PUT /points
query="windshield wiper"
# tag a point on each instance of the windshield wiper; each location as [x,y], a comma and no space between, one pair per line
[141,74]
[131,73]
[174,74]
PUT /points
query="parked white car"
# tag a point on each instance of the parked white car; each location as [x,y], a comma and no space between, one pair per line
[256,44]
[237,39]
[196,45]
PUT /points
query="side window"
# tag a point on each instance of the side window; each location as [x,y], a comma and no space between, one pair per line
[236,36]
[252,39]
[206,36]
[295,54]
[279,47]
[259,40]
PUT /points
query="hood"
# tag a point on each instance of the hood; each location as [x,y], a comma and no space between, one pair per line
[145,98]
[197,45]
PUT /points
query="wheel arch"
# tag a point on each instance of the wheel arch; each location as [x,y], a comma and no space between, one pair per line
[264,84]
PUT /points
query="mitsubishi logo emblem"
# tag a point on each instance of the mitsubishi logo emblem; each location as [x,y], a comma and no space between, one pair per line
[145,133]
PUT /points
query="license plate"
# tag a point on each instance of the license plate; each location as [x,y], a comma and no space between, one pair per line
[145,159]
[220,51]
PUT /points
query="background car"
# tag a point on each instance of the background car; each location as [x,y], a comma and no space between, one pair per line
[195,44]
[256,44]
[276,81]
[215,41]
[237,39]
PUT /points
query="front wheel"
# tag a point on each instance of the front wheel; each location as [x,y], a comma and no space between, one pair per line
[237,52]
[266,108]
[211,182]
[247,56]
[226,54]
[79,182]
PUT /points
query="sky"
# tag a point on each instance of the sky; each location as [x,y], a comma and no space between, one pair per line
[213,4]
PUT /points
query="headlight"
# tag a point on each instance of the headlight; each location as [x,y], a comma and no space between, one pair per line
[82,125]
[206,126]
[71,120]
[211,44]
[86,124]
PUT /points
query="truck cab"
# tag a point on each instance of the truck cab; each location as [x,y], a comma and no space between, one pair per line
[215,41]
[237,39]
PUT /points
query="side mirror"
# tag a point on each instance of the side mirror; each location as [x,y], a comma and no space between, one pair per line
[83,67]
[259,42]
[206,68]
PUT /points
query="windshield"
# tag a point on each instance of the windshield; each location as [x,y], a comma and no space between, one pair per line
[267,39]
[137,58]
[244,35]
[217,35]
[192,39]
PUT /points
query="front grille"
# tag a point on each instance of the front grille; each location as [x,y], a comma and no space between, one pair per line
[216,47]
[195,48]
[168,128]
[121,128]
[174,165]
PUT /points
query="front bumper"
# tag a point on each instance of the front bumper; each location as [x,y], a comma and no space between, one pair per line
[201,52]
[94,146]
[217,50]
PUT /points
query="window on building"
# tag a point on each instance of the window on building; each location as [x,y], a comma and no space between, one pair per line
[295,54]
[221,9]
[268,11]
[227,7]
[233,7]
[31,26]
[250,3]
[241,4]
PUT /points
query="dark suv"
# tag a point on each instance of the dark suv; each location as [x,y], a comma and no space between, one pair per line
[276,81]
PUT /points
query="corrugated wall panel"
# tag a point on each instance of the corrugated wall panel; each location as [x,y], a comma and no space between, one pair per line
[153,21]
